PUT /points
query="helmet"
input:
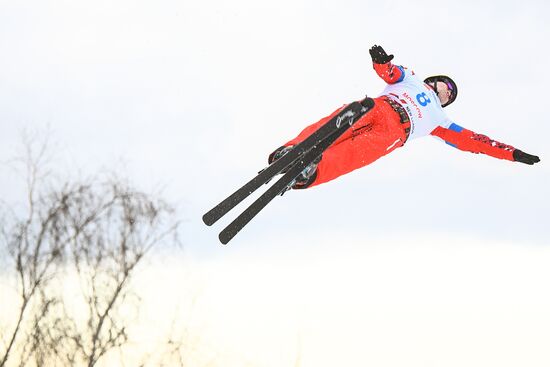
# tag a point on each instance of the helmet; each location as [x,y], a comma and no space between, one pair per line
[450,84]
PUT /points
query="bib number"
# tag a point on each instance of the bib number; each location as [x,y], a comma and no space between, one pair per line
[423,99]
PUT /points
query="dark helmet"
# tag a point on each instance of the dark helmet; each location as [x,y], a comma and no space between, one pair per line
[450,83]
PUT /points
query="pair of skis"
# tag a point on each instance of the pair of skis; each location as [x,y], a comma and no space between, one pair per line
[291,165]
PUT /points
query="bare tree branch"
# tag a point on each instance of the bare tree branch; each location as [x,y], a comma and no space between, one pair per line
[98,230]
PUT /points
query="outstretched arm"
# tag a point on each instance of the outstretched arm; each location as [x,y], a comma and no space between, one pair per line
[467,140]
[381,62]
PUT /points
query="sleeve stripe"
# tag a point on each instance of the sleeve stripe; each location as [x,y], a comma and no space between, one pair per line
[402,73]
[456,127]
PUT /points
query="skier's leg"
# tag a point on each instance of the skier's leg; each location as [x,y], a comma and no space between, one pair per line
[376,134]
[312,128]
[282,150]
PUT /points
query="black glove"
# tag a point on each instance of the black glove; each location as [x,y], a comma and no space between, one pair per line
[522,157]
[379,56]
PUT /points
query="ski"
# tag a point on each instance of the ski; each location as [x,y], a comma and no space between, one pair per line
[281,164]
[344,123]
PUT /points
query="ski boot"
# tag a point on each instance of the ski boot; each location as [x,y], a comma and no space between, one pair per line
[305,178]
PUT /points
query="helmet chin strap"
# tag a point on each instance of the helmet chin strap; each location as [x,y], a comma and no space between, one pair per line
[434,87]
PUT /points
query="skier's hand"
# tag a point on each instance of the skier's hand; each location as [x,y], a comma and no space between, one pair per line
[379,56]
[522,157]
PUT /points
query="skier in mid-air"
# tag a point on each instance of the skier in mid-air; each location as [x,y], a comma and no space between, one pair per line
[407,109]
[359,133]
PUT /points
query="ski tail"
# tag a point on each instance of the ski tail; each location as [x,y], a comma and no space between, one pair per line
[264,176]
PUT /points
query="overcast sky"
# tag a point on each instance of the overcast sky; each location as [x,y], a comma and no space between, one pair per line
[193,95]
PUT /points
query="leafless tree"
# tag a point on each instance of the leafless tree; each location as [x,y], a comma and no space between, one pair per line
[34,256]
[96,231]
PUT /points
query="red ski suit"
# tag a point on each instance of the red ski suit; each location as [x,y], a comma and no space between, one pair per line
[386,127]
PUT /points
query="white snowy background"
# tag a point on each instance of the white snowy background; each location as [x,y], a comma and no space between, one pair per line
[428,257]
